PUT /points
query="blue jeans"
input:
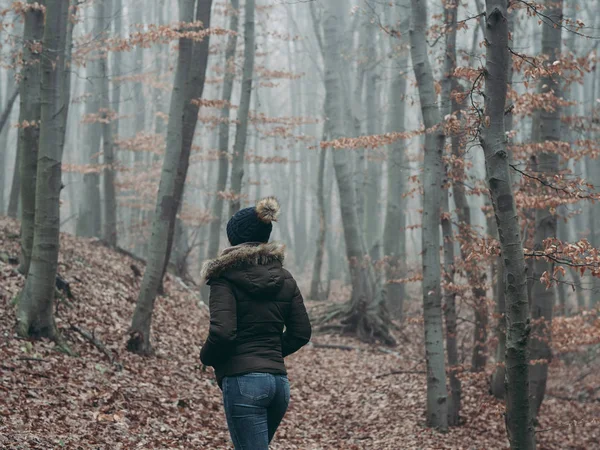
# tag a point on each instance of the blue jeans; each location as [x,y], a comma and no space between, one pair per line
[254,404]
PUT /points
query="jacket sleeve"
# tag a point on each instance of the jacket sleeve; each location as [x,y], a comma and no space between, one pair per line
[223,324]
[297,327]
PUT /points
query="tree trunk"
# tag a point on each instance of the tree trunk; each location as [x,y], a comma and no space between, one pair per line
[35,315]
[103,10]
[366,314]
[89,218]
[497,382]
[190,119]
[315,285]
[437,406]
[450,106]
[216,224]
[394,235]
[29,136]
[372,188]
[15,188]
[493,140]
[544,298]
[4,141]
[241,131]
[189,79]
[8,108]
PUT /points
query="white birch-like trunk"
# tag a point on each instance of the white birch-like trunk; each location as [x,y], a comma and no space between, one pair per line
[437,405]
[493,140]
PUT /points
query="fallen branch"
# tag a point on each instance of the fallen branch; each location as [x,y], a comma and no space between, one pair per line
[335,346]
[412,370]
[95,342]
[399,372]
[25,358]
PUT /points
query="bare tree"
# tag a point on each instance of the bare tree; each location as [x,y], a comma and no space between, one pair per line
[89,222]
[218,203]
[394,240]
[103,10]
[450,106]
[35,315]
[437,406]
[365,314]
[191,65]
[241,131]
[30,111]
[543,298]
[493,140]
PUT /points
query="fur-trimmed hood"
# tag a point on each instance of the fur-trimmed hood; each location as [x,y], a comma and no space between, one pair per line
[243,255]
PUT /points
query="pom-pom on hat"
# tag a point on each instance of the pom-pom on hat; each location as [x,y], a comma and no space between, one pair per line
[253,224]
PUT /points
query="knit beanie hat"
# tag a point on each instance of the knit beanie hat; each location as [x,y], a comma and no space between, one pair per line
[253,224]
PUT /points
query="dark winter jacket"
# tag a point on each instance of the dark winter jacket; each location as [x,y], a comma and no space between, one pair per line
[252,299]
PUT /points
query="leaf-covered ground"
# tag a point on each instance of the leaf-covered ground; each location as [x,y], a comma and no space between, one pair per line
[341,399]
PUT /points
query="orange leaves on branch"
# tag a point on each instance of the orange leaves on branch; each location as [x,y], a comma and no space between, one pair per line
[22,8]
[264,72]
[164,34]
[204,103]
[143,142]
[102,116]
[373,141]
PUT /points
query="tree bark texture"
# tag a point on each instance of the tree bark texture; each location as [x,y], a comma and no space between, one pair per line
[366,314]
[543,298]
[493,140]
[35,316]
[103,11]
[449,106]
[437,406]
[180,132]
[89,218]
[29,136]
[394,238]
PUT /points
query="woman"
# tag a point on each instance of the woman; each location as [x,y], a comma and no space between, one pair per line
[252,299]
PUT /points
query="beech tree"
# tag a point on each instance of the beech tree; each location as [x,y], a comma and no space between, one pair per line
[216,225]
[191,64]
[437,406]
[394,241]
[493,140]
[35,315]
[543,297]
[89,219]
[29,118]
[365,314]
[241,131]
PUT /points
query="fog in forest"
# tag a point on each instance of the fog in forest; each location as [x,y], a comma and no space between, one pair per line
[436,161]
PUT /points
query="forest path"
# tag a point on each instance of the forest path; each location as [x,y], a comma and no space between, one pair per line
[339,400]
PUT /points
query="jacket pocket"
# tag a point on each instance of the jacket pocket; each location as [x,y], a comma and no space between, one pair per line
[255,386]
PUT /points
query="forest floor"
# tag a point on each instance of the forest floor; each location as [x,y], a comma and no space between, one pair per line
[341,399]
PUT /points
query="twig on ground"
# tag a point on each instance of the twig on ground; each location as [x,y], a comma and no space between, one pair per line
[95,342]
[334,346]
[25,358]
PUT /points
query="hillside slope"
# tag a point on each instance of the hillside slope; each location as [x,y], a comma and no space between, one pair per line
[341,399]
